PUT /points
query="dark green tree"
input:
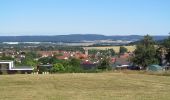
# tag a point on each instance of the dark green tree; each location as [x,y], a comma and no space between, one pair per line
[104,64]
[49,60]
[29,60]
[74,65]
[45,60]
[31,55]
[6,58]
[145,53]
[75,62]
[112,52]
[93,51]
[122,50]
[166,47]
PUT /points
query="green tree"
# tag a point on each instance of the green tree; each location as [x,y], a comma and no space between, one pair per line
[6,58]
[44,60]
[74,65]
[31,55]
[122,50]
[93,51]
[29,60]
[112,52]
[145,53]
[54,60]
[49,60]
[166,47]
[58,67]
[104,64]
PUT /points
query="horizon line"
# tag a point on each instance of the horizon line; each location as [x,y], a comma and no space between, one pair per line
[82,34]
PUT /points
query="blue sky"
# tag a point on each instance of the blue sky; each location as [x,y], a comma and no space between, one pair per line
[108,17]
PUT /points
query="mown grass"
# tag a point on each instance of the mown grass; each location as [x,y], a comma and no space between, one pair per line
[157,73]
[85,86]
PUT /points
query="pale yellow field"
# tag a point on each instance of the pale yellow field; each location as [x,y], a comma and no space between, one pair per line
[116,48]
[85,86]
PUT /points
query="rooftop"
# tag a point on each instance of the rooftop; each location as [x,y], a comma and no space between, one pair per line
[6,61]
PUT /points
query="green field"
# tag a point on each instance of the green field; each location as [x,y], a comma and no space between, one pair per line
[90,86]
[115,48]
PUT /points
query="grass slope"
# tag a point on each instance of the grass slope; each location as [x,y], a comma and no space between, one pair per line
[97,86]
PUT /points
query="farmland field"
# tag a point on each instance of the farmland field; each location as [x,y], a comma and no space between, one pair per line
[85,86]
[116,48]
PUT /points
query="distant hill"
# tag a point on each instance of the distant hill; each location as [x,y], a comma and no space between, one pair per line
[72,38]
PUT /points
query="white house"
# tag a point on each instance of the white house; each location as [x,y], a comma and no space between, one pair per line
[8,65]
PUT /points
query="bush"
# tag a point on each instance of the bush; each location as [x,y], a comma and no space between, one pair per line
[104,64]
[43,69]
[58,68]
[74,65]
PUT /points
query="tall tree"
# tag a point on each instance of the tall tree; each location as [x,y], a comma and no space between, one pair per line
[122,50]
[145,53]
[105,64]
[29,59]
[112,52]
[166,47]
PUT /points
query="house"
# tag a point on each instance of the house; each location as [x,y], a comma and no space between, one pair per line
[10,53]
[81,56]
[113,60]
[7,66]
[87,65]
[1,54]
[121,63]
[125,55]
[64,56]
[47,53]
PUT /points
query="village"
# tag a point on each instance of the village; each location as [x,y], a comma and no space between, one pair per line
[89,59]
[83,59]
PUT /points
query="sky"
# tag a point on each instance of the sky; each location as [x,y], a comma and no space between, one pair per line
[106,17]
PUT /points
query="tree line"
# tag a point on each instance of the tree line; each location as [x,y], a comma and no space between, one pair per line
[149,52]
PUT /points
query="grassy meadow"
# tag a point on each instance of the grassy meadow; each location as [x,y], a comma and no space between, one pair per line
[85,86]
[115,48]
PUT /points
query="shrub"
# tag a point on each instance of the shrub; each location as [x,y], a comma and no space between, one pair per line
[58,68]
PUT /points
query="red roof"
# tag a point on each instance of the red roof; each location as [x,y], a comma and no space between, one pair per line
[113,60]
[125,55]
[87,62]
[47,53]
